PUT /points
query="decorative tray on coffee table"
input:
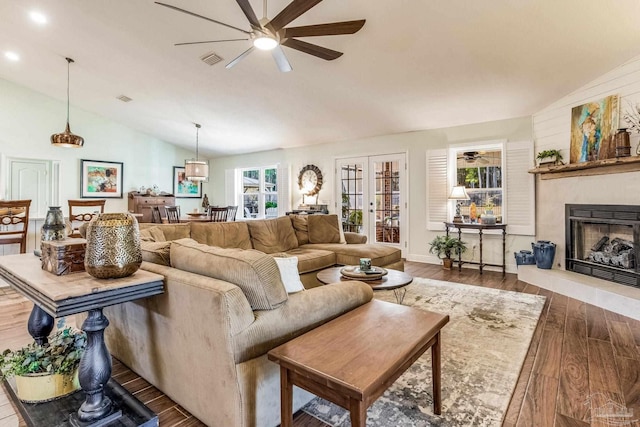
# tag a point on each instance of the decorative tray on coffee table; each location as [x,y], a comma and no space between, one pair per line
[354,272]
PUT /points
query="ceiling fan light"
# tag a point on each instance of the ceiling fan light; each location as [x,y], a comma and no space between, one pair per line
[196,170]
[265,43]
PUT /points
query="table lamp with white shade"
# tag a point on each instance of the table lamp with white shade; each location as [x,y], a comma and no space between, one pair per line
[458,193]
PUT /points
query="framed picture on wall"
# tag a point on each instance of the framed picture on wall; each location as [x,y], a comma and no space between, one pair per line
[182,187]
[100,179]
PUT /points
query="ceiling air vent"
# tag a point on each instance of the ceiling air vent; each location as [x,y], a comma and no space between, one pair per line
[211,58]
[124,98]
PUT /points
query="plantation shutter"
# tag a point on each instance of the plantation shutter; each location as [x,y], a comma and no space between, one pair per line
[519,187]
[284,198]
[437,189]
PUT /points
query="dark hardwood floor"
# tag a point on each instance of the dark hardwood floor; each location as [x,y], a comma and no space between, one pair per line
[581,358]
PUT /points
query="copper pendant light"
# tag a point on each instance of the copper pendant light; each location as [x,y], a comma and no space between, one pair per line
[66,138]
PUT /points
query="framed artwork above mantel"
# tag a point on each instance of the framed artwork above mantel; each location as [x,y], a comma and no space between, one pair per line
[100,179]
[182,187]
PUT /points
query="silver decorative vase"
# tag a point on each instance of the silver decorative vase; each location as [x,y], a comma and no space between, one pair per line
[113,246]
[54,227]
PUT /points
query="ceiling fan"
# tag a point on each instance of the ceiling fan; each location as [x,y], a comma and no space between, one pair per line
[271,34]
[473,156]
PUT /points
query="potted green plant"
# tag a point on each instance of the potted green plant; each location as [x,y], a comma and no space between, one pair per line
[444,247]
[549,158]
[46,372]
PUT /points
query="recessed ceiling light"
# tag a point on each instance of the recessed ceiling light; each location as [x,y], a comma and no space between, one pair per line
[38,17]
[12,56]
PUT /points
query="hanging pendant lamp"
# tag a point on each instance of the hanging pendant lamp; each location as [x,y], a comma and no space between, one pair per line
[66,138]
[194,169]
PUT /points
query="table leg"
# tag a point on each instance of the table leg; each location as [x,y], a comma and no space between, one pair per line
[480,238]
[504,250]
[95,369]
[399,293]
[436,368]
[40,325]
[358,413]
[286,399]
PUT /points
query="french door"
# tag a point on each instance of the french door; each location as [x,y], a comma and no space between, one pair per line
[373,197]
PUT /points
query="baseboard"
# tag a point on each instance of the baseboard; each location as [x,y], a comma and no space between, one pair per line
[621,299]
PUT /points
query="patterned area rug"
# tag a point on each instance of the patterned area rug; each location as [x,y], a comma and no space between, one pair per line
[483,348]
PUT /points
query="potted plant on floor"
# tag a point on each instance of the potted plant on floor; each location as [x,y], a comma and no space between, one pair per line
[444,247]
[46,372]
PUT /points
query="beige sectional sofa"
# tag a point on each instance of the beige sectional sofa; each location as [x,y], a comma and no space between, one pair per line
[204,341]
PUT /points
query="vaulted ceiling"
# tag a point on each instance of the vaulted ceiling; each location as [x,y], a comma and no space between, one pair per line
[414,65]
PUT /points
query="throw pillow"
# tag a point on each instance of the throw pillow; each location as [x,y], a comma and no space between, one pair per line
[273,235]
[288,267]
[299,223]
[324,228]
[156,252]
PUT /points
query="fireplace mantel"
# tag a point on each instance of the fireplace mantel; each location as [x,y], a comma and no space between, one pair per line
[596,167]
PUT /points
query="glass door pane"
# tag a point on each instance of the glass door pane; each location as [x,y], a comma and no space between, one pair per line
[387,201]
[352,195]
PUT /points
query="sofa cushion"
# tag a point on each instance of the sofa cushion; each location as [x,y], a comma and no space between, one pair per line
[300,227]
[222,234]
[380,255]
[156,252]
[311,259]
[272,235]
[324,229]
[152,234]
[168,231]
[252,271]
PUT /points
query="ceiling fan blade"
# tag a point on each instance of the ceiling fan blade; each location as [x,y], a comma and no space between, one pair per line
[210,41]
[239,58]
[202,17]
[312,49]
[289,13]
[332,29]
[281,60]
[249,13]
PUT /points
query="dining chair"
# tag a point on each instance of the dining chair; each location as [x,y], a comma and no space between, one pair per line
[81,211]
[217,214]
[231,213]
[173,214]
[156,218]
[14,222]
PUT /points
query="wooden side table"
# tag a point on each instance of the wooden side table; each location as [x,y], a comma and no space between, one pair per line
[480,227]
[329,361]
[58,296]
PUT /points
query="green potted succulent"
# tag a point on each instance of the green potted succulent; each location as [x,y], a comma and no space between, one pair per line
[444,247]
[549,158]
[46,372]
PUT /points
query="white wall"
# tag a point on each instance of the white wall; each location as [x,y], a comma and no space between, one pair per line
[551,130]
[28,119]
[415,144]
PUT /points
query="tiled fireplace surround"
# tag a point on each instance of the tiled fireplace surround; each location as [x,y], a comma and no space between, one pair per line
[613,288]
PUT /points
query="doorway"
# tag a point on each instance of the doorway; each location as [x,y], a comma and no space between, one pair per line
[372,193]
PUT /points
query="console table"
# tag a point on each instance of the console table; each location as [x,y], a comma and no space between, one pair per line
[480,227]
[57,296]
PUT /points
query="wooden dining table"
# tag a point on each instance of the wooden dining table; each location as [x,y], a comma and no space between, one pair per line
[195,218]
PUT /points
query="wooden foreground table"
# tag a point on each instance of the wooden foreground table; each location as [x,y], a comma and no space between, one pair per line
[353,359]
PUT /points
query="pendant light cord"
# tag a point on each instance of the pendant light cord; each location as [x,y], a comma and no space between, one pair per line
[69,61]
[197,132]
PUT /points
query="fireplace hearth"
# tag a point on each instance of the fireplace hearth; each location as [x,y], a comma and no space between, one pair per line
[603,241]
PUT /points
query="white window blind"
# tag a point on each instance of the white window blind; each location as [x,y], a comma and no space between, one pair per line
[519,186]
[437,189]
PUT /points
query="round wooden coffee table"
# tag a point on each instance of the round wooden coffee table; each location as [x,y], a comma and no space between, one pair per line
[395,280]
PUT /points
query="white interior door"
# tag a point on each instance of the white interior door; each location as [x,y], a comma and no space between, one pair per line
[372,197]
[35,180]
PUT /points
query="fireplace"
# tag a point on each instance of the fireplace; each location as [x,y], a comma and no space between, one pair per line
[603,241]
